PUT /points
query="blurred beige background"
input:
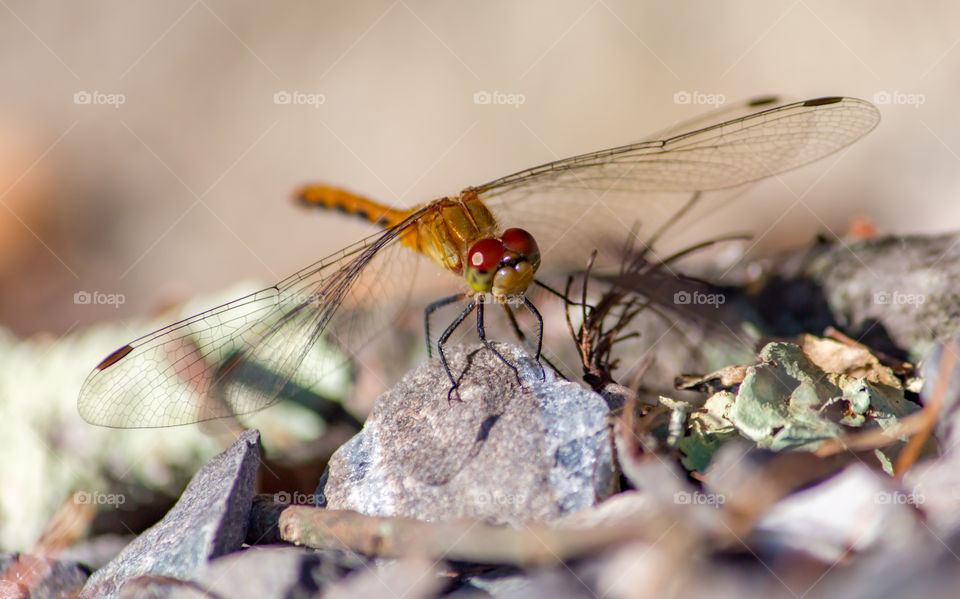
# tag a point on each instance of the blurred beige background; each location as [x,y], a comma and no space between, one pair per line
[184,187]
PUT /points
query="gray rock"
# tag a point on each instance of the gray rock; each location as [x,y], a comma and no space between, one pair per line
[906,284]
[161,587]
[97,552]
[552,583]
[277,572]
[409,578]
[506,453]
[40,577]
[209,520]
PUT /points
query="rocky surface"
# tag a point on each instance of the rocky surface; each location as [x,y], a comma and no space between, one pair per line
[893,292]
[209,520]
[407,578]
[262,572]
[97,552]
[506,452]
[276,572]
[39,577]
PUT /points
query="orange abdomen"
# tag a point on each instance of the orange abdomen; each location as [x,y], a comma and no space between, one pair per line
[332,198]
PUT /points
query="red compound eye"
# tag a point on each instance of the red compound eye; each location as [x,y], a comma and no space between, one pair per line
[521,242]
[485,254]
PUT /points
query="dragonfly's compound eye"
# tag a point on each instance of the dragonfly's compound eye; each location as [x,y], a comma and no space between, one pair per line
[521,259]
[486,254]
[482,261]
[523,244]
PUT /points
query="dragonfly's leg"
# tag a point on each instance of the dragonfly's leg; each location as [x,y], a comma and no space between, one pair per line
[513,323]
[443,339]
[523,338]
[431,309]
[483,338]
[536,314]
[565,299]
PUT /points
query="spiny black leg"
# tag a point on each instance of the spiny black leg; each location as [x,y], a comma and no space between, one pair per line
[443,339]
[483,338]
[568,302]
[550,289]
[536,314]
[523,338]
[513,323]
[430,310]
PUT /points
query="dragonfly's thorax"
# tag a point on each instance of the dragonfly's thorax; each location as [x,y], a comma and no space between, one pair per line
[450,226]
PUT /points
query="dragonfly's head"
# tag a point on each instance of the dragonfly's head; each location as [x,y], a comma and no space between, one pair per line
[504,265]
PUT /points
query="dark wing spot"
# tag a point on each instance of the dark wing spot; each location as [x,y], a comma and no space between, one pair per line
[823,101]
[114,357]
[763,101]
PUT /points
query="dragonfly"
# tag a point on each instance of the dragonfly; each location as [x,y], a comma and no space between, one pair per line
[239,357]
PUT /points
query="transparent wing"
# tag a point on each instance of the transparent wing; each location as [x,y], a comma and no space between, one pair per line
[726,112]
[724,155]
[238,358]
[590,193]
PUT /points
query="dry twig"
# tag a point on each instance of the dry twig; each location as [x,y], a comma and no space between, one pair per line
[464,540]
